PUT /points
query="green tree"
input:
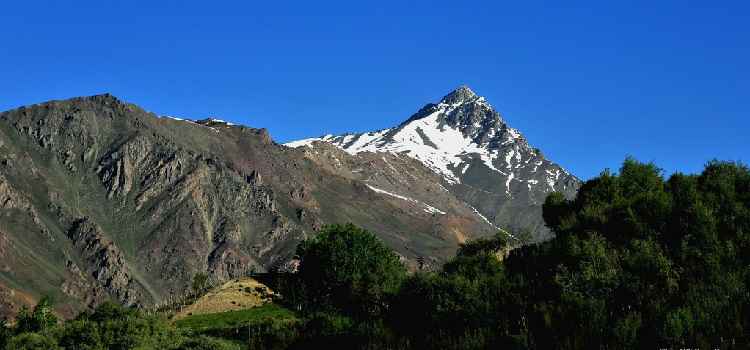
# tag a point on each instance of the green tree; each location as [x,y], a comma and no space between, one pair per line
[348,269]
[5,333]
[117,327]
[32,341]
[461,307]
[638,261]
[40,319]
[491,245]
[80,334]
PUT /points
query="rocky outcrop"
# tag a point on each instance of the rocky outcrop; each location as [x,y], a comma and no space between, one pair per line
[105,263]
[12,199]
[118,170]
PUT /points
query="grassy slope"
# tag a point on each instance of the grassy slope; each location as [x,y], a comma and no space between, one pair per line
[240,311]
[238,318]
[235,295]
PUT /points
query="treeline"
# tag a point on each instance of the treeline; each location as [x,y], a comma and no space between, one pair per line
[637,262]
[109,326]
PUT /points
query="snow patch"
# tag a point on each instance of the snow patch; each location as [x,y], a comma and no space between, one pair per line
[427,208]
[507,183]
[300,143]
[483,217]
[552,177]
[220,121]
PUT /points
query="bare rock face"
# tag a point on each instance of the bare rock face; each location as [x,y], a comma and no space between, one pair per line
[101,200]
[105,262]
[119,169]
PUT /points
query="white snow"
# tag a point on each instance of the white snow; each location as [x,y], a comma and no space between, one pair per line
[552,177]
[427,208]
[432,210]
[300,143]
[481,100]
[453,145]
[507,183]
[365,140]
[509,157]
[193,122]
[443,188]
[531,182]
[347,138]
[483,217]
[445,149]
[217,120]
[514,133]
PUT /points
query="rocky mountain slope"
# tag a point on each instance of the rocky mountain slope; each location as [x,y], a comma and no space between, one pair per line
[480,160]
[100,199]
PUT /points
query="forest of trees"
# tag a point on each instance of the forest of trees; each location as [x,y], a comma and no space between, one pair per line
[109,326]
[638,261]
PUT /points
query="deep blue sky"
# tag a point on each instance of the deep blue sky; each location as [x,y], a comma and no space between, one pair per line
[587,83]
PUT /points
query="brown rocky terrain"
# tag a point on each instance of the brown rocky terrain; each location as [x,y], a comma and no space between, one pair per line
[100,199]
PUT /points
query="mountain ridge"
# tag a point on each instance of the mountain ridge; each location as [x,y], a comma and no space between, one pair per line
[100,199]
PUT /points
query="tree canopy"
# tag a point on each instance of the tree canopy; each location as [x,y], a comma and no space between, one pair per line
[637,262]
[348,269]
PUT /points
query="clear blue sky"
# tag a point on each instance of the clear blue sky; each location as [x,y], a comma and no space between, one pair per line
[588,83]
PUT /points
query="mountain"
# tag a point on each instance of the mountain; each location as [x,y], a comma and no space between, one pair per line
[100,199]
[481,160]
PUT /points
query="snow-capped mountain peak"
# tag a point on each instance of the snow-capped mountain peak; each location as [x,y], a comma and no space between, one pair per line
[446,137]
[465,140]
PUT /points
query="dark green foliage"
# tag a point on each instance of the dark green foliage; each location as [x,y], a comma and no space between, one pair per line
[330,329]
[32,341]
[238,319]
[207,343]
[81,334]
[484,245]
[110,327]
[325,330]
[109,311]
[642,262]
[637,262]
[265,327]
[459,308]
[348,269]
[5,333]
[39,319]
